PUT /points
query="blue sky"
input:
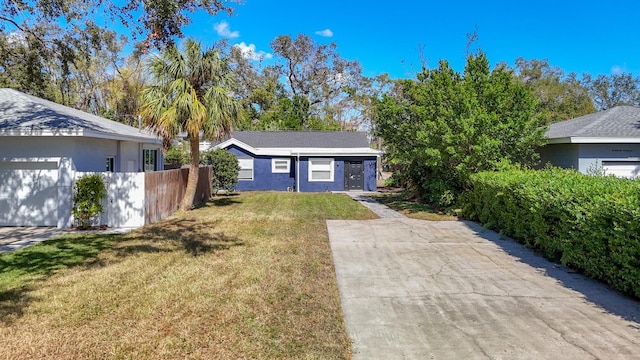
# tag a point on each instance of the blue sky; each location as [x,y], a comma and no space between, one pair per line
[386,36]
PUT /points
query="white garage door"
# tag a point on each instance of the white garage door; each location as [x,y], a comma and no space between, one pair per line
[628,169]
[28,194]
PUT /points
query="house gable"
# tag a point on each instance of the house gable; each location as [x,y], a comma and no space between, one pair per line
[25,115]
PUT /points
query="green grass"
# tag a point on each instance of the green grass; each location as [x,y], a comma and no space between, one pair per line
[411,208]
[246,276]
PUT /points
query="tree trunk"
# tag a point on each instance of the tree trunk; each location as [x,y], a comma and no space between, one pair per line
[194,165]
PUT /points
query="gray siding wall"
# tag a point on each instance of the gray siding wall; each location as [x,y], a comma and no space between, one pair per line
[562,155]
[593,154]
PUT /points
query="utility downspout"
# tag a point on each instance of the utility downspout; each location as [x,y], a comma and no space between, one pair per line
[298,173]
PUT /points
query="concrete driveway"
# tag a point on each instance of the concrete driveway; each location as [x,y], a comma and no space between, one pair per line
[414,289]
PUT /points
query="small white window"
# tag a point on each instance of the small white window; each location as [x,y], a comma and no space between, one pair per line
[280,165]
[321,169]
[246,169]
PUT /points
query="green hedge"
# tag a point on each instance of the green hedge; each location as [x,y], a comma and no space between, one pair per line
[589,223]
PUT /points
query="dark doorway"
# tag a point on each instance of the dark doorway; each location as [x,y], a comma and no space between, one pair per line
[353,175]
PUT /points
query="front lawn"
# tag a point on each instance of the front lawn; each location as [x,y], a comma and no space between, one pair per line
[399,202]
[245,276]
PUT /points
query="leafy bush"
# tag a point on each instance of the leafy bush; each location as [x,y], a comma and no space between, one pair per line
[589,223]
[177,156]
[445,126]
[225,169]
[392,181]
[89,190]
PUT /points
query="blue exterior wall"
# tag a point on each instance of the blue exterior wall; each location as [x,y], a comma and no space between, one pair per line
[369,164]
[264,179]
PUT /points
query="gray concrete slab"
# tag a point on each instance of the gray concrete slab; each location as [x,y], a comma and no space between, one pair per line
[414,289]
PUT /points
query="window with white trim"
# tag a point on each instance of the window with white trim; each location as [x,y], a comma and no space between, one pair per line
[246,169]
[281,165]
[321,169]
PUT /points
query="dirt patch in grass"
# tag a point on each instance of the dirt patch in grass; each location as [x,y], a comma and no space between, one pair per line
[248,276]
[397,200]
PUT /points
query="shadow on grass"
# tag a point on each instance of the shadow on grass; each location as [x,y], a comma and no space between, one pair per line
[20,270]
[193,236]
[399,203]
[54,254]
[225,200]
[12,303]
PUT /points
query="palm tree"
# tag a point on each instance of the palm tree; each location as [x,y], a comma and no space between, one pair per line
[189,92]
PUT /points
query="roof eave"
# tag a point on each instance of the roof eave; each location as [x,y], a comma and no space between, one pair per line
[122,137]
[594,140]
[41,132]
[27,132]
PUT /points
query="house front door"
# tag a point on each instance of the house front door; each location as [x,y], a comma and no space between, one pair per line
[353,175]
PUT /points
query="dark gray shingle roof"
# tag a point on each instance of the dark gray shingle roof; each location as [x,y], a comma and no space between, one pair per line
[618,122]
[20,111]
[302,139]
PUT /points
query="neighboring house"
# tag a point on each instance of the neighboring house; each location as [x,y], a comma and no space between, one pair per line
[305,161]
[607,140]
[43,145]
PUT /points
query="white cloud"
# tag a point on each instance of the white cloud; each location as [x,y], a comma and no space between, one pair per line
[617,69]
[325,33]
[222,29]
[249,52]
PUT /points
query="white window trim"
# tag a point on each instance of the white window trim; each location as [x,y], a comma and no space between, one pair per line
[276,170]
[245,167]
[331,169]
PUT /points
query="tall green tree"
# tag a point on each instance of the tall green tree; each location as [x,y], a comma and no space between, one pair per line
[559,97]
[445,126]
[612,90]
[189,91]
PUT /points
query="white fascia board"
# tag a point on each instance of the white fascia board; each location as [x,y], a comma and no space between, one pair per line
[79,133]
[252,150]
[336,152]
[594,140]
[141,139]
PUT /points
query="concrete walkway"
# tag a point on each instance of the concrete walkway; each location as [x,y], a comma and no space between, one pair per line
[414,289]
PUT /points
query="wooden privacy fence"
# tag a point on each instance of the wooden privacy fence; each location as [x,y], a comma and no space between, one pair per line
[164,191]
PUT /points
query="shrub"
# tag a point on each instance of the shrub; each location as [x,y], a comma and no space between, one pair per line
[176,156]
[225,169]
[88,192]
[392,181]
[589,223]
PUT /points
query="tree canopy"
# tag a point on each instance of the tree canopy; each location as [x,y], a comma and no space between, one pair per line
[612,90]
[447,125]
[559,97]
